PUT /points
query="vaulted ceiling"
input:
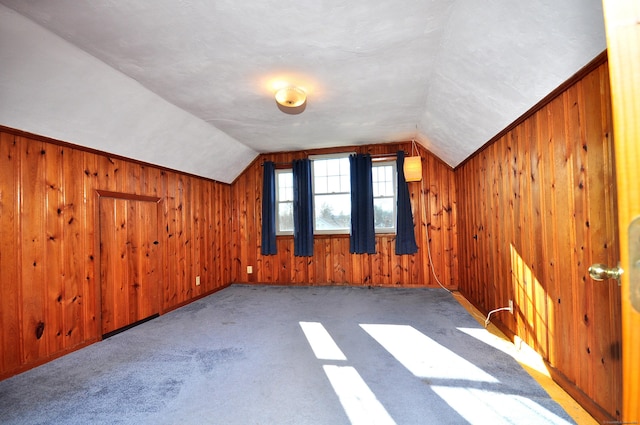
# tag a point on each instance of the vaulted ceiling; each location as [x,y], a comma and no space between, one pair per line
[189,84]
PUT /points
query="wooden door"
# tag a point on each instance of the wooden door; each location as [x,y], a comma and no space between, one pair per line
[622,23]
[130,272]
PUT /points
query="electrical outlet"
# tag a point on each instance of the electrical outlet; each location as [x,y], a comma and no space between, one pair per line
[511,306]
[249,269]
[197,280]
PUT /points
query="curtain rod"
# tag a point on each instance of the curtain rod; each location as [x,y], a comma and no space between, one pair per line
[374,155]
[277,163]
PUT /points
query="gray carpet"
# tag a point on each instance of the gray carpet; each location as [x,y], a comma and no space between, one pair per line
[240,356]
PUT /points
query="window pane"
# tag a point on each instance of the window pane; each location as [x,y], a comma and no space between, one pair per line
[383,215]
[374,173]
[285,186]
[333,166]
[377,191]
[388,180]
[333,184]
[285,217]
[319,168]
[320,185]
[345,168]
[333,212]
[345,183]
[383,180]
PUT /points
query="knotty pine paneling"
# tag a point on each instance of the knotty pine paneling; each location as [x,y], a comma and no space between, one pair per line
[536,208]
[49,242]
[434,208]
[10,255]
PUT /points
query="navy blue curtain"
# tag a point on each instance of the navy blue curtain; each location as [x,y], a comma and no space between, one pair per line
[363,232]
[302,209]
[405,236]
[268,209]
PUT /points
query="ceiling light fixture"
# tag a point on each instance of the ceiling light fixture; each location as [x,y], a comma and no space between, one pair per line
[291,97]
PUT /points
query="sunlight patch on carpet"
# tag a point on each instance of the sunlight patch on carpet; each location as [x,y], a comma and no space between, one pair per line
[423,356]
[359,402]
[525,355]
[489,407]
[322,344]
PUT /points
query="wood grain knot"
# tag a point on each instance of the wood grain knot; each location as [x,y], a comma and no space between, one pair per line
[39,330]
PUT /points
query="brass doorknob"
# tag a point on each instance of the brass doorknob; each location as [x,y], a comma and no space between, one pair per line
[602,271]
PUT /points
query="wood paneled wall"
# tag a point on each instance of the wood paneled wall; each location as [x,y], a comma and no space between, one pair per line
[521,220]
[332,264]
[536,209]
[49,242]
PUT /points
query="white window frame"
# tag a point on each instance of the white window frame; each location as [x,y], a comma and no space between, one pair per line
[394,197]
[280,202]
[313,159]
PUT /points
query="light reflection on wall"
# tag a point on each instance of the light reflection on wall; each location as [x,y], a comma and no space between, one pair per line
[533,307]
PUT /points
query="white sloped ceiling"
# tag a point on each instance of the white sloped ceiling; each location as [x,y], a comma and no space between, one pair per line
[189,84]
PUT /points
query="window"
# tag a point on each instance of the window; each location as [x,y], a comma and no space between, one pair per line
[284,202]
[332,196]
[384,196]
[331,193]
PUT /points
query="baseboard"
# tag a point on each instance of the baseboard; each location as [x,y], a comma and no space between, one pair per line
[589,405]
[124,328]
[190,300]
